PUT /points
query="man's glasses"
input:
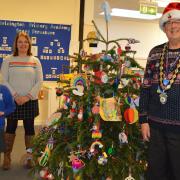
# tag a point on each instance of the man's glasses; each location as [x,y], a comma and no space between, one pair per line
[176,22]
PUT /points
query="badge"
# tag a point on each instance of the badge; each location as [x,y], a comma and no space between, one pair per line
[163,98]
[165,82]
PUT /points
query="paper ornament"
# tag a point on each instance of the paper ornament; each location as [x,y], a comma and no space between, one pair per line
[131,115]
[109,109]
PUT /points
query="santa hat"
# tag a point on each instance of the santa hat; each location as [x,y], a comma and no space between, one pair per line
[172,11]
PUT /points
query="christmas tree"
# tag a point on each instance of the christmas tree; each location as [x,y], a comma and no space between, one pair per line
[95,132]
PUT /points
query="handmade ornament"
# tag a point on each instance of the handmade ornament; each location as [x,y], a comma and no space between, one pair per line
[83,53]
[64,102]
[73,110]
[94,144]
[44,174]
[60,170]
[95,109]
[79,91]
[110,109]
[104,78]
[119,50]
[106,58]
[78,82]
[111,150]
[124,81]
[43,160]
[96,133]
[92,38]
[127,63]
[102,160]
[97,78]
[129,177]
[107,10]
[131,115]
[77,164]
[123,138]
[80,114]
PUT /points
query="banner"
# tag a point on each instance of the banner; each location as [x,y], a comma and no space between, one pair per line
[50,43]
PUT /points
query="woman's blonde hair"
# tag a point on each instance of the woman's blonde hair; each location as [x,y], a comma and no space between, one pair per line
[15,49]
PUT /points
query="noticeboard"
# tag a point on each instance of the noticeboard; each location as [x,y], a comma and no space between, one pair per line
[50,43]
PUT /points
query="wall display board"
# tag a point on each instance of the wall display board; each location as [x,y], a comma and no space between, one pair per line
[50,43]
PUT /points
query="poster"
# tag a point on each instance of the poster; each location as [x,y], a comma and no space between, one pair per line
[50,43]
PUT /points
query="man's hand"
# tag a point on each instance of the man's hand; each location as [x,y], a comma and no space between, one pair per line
[145,131]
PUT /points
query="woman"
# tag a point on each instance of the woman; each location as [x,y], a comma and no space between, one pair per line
[22,74]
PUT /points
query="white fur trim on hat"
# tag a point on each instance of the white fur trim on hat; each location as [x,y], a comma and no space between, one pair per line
[173,14]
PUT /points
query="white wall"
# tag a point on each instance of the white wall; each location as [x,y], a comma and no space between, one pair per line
[147,32]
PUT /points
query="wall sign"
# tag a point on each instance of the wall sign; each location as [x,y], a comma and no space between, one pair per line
[50,43]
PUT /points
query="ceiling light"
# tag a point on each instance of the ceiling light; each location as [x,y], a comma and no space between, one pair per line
[132,14]
[164,3]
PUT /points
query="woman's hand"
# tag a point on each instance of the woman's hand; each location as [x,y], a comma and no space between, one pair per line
[24,99]
[145,131]
[20,100]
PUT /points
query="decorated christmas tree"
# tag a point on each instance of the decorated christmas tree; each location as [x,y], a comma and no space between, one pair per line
[95,132]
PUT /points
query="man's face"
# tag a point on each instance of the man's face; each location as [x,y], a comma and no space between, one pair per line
[172,29]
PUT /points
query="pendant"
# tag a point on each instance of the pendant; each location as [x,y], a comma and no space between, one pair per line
[165,82]
[163,98]
[158,90]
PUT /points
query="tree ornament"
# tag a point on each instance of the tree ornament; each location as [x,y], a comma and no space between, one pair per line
[94,144]
[43,160]
[79,83]
[92,38]
[104,78]
[43,173]
[107,58]
[97,78]
[95,109]
[59,91]
[111,150]
[127,47]
[119,50]
[102,160]
[131,115]
[77,164]
[123,138]
[110,109]
[96,133]
[129,177]
[60,170]
[80,114]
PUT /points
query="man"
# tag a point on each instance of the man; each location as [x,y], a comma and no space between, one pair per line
[160,101]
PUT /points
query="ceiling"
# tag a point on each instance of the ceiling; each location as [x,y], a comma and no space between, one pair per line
[122,4]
